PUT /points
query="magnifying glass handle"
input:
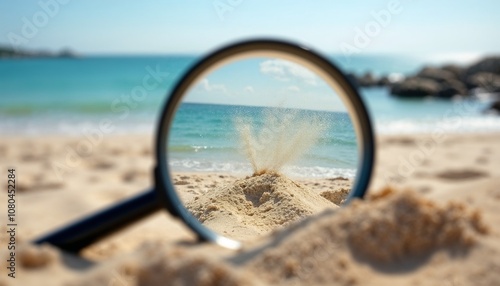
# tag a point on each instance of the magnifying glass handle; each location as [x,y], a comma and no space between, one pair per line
[84,232]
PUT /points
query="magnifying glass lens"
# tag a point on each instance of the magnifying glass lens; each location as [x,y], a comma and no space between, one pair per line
[260,142]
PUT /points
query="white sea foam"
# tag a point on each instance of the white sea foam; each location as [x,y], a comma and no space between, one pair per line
[457,124]
[244,168]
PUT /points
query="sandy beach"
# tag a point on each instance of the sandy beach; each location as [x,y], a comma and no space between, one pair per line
[431,218]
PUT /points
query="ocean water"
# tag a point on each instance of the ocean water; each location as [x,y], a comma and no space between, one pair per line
[205,137]
[73,96]
[39,96]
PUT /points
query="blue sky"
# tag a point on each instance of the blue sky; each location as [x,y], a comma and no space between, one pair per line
[421,27]
[266,82]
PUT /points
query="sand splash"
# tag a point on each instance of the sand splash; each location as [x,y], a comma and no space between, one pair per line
[284,136]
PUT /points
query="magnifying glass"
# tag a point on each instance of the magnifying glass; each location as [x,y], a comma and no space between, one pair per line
[254,137]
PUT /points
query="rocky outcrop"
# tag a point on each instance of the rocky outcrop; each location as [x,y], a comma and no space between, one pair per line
[437,74]
[452,80]
[416,87]
[451,88]
[495,107]
[487,81]
[448,80]
[457,71]
[10,53]
[489,65]
[431,81]
[368,80]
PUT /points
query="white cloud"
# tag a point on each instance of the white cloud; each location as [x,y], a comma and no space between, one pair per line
[206,85]
[249,88]
[293,88]
[285,71]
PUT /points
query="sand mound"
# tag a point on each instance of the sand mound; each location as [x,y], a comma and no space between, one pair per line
[388,229]
[153,263]
[256,205]
[160,264]
[405,224]
[334,247]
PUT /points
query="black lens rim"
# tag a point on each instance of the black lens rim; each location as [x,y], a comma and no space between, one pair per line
[164,185]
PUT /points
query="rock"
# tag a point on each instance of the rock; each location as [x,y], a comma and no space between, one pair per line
[489,82]
[449,90]
[495,107]
[436,74]
[457,71]
[353,79]
[367,80]
[488,65]
[416,87]
[67,53]
[452,88]
[444,82]
[7,52]
[447,78]
[384,81]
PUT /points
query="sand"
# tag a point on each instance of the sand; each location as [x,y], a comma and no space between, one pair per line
[437,224]
[256,205]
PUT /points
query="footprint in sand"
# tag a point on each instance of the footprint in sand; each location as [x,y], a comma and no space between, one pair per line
[482,160]
[424,189]
[3,150]
[451,155]
[146,152]
[39,186]
[103,165]
[116,151]
[464,174]
[487,150]
[420,174]
[129,176]
[134,175]
[338,179]
[29,157]
[51,185]
[400,141]
[93,179]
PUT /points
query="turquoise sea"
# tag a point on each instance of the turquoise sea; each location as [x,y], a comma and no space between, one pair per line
[205,137]
[70,96]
